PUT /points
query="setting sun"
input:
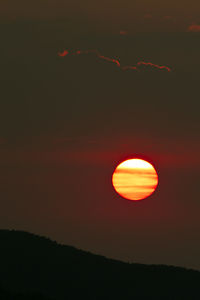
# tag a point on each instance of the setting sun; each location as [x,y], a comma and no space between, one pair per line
[135,179]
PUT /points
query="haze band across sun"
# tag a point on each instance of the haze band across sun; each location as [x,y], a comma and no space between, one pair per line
[135,179]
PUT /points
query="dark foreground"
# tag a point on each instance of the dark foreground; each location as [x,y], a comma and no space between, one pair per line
[33,267]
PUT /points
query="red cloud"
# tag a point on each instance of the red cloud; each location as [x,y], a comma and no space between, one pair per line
[194,28]
[96,52]
[115,61]
[137,67]
[148,16]
[167,18]
[142,63]
[129,68]
[64,53]
[123,32]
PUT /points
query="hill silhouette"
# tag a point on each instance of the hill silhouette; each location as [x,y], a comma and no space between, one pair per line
[34,267]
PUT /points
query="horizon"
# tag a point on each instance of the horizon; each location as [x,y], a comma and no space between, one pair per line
[45,238]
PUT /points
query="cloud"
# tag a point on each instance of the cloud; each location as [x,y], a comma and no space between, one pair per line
[194,28]
[123,32]
[167,18]
[115,61]
[129,68]
[142,63]
[138,67]
[148,16]
[64,53]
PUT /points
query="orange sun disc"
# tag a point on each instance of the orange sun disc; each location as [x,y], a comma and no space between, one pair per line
[135,179]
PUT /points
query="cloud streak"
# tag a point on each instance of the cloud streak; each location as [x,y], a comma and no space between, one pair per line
[142,63]
[138,67]
[194,28]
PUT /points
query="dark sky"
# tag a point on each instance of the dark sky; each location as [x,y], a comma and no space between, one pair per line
[108,15]
[67,121]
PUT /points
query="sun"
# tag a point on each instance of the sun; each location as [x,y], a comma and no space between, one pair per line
[135,179]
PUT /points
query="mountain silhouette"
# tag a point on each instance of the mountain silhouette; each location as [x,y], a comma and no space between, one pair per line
[34,267]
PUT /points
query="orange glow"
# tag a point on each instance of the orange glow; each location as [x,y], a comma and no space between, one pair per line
[135,179]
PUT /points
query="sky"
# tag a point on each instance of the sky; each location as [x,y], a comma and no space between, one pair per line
[67,121]
[108,15]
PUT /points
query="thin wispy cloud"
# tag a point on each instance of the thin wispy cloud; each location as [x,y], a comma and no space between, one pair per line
[142,63]
[138,67]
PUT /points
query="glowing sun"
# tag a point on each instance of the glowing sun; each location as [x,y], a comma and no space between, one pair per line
[135,179]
